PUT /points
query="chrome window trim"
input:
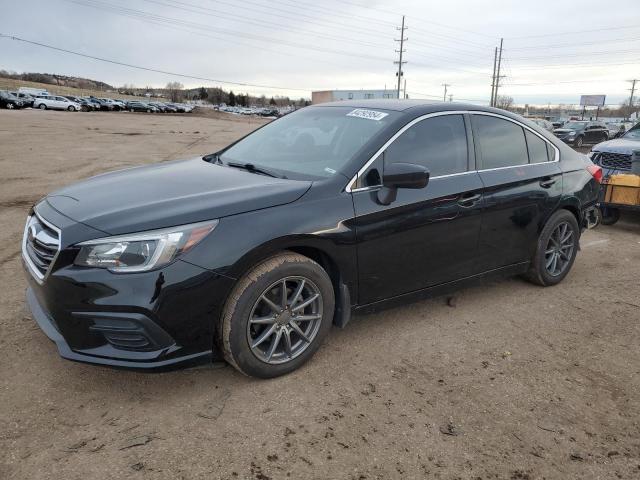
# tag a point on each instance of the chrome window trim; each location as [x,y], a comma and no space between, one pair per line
[37,275]
[349,187]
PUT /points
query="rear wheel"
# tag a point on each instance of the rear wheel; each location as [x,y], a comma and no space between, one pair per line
[277,316]
[556,250]
[10,106]
[579,141]
[609,215]
[71,108]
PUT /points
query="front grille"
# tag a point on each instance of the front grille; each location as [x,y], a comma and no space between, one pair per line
[616,161]
[40,246]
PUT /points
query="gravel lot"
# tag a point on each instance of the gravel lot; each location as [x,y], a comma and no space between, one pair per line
[509,382]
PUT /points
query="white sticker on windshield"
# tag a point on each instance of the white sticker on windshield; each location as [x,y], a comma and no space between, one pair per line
[368,114]
[330,170]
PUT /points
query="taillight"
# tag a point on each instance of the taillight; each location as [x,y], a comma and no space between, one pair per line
[596,172]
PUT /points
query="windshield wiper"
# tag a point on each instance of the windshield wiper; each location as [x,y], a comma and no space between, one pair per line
[250,167]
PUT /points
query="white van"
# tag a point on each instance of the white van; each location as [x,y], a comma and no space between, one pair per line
[39,92]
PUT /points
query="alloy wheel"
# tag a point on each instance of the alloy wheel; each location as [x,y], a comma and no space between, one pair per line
[559,249]
[285,320]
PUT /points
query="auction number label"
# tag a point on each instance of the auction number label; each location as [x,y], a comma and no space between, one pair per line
[368,114]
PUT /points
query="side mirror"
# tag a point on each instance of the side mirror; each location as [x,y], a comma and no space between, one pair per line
[401,175]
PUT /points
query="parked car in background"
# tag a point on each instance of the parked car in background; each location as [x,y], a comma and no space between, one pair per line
[95,104]
[27,100]
[137,106]
[541,122]
[614,156]
[85,105]
[34,92]
[55,102]
[102,105]
[253,252]
[10,101]
[579,132]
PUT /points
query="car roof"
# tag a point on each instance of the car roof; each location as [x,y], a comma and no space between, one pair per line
[411,106]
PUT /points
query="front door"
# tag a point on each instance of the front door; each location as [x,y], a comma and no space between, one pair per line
[428,236]
[522,187]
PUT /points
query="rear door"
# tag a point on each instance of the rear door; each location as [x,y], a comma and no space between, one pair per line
[522,186]
[427,236]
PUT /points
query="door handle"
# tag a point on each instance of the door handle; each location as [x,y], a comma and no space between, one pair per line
[470,200]
[547,182]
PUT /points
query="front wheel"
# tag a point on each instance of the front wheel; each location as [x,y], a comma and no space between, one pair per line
[42,106]
[579,142]
[556,250]
[277,316]
[71,108]
[10,106]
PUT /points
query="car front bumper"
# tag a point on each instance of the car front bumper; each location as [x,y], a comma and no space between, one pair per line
[153,320]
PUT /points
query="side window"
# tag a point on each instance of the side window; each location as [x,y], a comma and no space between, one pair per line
[501,142]
[537,148]
[551,153]
[438,143]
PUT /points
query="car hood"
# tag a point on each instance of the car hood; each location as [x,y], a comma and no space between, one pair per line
[562,131]
[618,145]
[169,194]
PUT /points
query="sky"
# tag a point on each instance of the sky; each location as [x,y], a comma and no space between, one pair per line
[552,53]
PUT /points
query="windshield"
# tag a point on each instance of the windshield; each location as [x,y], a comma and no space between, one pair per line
[313,142]
[574,125]
[633,134]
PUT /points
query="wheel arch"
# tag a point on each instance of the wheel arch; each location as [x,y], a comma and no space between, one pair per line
[320,251]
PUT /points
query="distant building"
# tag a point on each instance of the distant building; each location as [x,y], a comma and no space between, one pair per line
[336,95]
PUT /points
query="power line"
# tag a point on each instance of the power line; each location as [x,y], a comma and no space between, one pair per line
[579,44]
[148,69]
[591,30]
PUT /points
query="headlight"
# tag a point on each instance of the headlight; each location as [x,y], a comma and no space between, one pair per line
[571,134]
[140,252]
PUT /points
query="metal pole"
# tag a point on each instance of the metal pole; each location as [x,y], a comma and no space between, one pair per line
[495,97]
[402,39]
[493,77]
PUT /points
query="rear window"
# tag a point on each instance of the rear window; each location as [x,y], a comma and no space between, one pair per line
[537,148]
[502,143]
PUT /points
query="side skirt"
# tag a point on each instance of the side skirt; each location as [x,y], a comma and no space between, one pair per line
[442,289]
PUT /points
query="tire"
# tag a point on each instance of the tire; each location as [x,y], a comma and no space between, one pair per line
[543,271]
[42,106]
[609,215]
[131,110]
[10,106]
[148,110]
[579,141]
[236,334]
[71,108]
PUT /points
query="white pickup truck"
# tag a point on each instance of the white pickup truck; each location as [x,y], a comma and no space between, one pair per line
[55,102]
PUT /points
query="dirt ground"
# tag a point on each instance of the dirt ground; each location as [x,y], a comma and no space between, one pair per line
[510,382]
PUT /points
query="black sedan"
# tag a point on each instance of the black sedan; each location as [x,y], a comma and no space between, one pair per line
[135,106]
[10,101]
[252,253]
[579,132]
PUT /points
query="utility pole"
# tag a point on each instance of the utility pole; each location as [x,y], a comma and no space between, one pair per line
[493,77]
[401,51]
[498,77]
[404,93]
[450,97]
[445,85]
[633,90]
